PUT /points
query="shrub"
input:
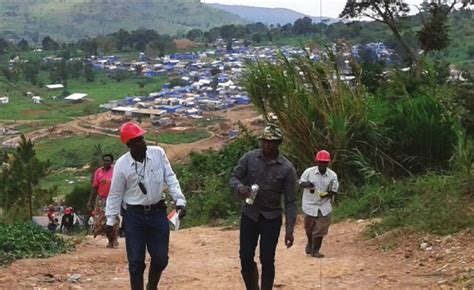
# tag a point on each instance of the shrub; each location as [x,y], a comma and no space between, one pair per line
[27,240]
[429,203]
[205,182]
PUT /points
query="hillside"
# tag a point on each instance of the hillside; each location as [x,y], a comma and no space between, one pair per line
[268,15]
[72,20]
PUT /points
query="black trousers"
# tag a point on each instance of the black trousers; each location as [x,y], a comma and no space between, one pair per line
[250,231]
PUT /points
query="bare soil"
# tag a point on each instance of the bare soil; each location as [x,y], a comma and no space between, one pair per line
[207,258]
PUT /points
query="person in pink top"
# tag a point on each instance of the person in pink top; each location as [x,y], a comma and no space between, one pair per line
[100,191]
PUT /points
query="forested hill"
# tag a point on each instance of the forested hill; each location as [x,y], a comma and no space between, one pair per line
[69,20]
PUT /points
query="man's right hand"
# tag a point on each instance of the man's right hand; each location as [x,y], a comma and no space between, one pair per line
[306,184]
[244,191]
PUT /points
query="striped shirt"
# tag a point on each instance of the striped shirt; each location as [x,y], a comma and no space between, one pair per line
[154,172]
[312,202]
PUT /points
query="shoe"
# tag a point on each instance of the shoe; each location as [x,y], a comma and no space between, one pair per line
[109,246]
[317,255]
[115,244]
[307,250]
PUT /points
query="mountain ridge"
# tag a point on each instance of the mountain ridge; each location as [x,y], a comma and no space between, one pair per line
[269,16]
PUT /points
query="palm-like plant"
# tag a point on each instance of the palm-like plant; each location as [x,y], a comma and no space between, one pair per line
[317,109]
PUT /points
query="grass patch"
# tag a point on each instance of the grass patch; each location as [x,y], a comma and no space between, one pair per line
[19,241]
[180,137]
[429,203]
[76,151]
[209,121]
[102,90]
[65,181]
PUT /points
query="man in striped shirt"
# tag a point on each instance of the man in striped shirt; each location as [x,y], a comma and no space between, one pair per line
[320,184]
[140,176]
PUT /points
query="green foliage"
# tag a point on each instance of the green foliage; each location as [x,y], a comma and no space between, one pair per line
[78,149]
[19,241]
[428,203]
[79,197]
[318,112]
[180,137]
[424,131]
[20,181]
[205,182]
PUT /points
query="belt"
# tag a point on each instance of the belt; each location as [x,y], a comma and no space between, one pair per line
[159,206]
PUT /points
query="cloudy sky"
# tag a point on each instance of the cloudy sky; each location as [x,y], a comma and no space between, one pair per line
[330,8]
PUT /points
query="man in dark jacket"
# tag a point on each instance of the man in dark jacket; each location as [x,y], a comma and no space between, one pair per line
[261,214]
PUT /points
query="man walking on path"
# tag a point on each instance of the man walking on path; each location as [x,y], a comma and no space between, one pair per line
[320,184]
[261,215]
[138,181]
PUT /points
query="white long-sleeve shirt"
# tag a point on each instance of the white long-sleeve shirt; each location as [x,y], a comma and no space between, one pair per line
[312,202]
[154,172]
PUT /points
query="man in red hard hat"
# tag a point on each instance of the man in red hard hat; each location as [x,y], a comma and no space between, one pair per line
[139,178]
[320,184]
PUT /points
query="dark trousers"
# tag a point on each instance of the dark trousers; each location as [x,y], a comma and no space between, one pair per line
[269,231]
[148,230]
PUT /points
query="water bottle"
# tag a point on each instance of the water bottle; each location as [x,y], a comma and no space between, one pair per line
[253,194]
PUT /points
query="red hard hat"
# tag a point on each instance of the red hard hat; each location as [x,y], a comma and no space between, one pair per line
[323,155]
[129,131]
[68,211]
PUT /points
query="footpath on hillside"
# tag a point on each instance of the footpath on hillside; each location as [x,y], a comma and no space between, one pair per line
[207,258]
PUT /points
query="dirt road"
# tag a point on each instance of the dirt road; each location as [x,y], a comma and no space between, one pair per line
[207,258]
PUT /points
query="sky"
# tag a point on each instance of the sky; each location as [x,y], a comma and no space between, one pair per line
[330,8]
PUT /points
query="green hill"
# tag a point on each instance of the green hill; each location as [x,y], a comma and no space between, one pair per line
[75,19]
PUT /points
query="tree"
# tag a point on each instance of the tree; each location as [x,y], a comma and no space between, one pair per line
[24,175]
[384,11]
[89,73]
[23,45]
[194,34]
[434,35]
[30,72]
[49,44]
[303,26]
[3,45]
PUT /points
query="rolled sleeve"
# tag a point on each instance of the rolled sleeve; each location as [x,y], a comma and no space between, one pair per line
[172,182]
[114,200]
[290,200]
[334,184]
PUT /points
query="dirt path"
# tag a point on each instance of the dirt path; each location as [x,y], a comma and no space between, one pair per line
[207,258]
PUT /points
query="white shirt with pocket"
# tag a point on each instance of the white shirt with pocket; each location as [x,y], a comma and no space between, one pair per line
[312,202]
[154,172]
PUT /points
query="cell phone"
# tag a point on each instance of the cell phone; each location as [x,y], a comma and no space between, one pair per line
[142,187]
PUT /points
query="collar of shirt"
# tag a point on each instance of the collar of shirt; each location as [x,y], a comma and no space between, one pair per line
[317,172]
[103,169]
[132,161]
[278,160]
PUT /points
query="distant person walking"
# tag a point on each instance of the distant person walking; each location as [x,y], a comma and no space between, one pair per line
[261,178]
[140,176]
[98,198]
[52,220]
[67,221]
[320,185]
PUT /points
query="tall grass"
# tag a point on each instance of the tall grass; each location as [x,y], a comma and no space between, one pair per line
[368,135]
[317,110]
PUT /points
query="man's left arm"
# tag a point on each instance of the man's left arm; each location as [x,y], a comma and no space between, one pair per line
[333,186]
[173,185]
[290,205]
